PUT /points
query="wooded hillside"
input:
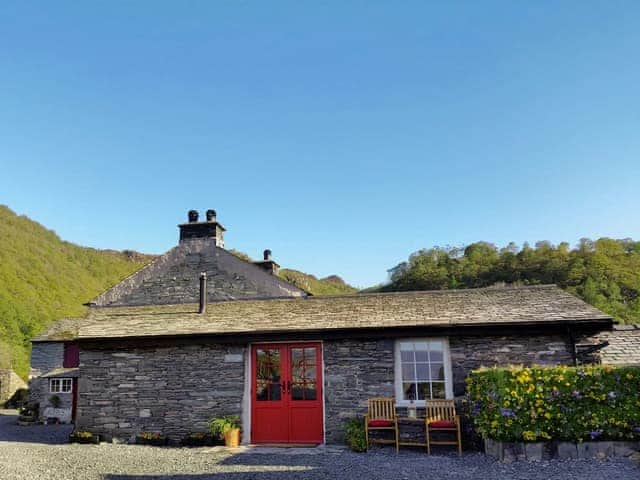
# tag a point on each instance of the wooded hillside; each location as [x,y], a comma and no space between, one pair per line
[605,272]
[43,278]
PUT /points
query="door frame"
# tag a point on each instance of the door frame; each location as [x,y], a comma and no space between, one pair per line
[248,382]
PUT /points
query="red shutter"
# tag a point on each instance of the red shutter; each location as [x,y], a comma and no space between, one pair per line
[71,355]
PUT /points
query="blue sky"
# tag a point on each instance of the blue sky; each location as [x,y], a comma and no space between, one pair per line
[342,135]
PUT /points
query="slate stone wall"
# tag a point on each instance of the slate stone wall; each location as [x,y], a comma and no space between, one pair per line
[469,353]
[354,370]
[173,390]
[173,278]
[46,356]
[176,389]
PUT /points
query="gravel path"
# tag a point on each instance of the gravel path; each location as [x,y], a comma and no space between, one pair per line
[22,458]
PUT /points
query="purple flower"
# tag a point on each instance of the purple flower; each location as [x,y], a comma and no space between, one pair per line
[595,434]
[493,395]
[612,395]
[576,394]
[637,429]
[477,408]
[507,412]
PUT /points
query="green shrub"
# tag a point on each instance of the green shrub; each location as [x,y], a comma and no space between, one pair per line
[221,425]
[355,435]
[560,403]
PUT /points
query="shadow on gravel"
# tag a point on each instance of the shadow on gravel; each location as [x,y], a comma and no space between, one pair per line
[245,475]
[10,431]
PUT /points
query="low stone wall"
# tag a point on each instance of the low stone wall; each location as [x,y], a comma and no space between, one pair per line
[173,390]
[10,383]
[536,451]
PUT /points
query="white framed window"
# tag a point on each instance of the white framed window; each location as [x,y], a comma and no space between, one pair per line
[60,385]
[422,370]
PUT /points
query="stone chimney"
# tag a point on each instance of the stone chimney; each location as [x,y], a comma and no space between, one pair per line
[207,229]
[268,263]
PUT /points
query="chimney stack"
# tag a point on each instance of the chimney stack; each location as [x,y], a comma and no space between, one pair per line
[268,263]
[209,229]
[203,293]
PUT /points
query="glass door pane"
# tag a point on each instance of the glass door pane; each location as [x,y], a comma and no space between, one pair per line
[303,373]
[268,374]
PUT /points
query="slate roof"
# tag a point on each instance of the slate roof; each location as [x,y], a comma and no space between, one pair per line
[173,278]
[64,329]
[534,305]
[624,345]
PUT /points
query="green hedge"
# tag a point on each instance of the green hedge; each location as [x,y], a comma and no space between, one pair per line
[559,403]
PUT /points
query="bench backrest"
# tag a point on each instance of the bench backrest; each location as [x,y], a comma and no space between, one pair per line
[436,410]
[382,408]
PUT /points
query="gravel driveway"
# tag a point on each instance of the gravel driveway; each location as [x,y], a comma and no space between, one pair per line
[37,453]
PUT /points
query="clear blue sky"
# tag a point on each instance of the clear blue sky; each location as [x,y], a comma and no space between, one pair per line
[342,135]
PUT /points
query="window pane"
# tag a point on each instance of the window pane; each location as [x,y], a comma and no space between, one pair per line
[421,346]
[422,371]
[436,355]
[438,389]
[262,393]
[297,392]
[408,372]
[274,391]
[436,345]
[437,371]
[409,391]
[268,365]
[421,356]
[423,391]
[310,392]
[406,356]
[406,346]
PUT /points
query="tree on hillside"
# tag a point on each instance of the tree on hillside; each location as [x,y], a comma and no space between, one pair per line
[605,272]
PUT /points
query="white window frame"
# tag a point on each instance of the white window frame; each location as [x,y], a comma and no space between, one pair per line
[56,385]
[448,377]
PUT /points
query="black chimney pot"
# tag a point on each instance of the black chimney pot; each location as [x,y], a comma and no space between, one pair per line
[211,215]
[193,216]
[267,254]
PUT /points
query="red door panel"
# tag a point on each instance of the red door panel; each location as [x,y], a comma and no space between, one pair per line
[287,393]
[269,418]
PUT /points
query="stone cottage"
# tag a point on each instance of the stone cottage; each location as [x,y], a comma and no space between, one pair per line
[169,348]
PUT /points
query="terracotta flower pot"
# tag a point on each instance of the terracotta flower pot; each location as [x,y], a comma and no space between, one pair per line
[232,437]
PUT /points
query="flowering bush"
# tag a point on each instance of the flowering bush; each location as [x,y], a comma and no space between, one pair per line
[560,403]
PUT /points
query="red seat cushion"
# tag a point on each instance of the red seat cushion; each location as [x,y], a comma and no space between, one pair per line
[380,423]
[442,424]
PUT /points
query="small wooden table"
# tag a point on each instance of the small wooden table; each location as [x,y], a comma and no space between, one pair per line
[410,443]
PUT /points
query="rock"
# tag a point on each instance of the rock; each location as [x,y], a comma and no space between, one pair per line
[534,451]
[567,450]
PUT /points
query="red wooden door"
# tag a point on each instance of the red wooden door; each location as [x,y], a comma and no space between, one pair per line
[287,393]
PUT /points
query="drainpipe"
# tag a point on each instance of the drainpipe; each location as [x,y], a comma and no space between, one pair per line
[203,293]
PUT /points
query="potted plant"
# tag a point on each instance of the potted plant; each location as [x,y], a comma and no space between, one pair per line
[227,426]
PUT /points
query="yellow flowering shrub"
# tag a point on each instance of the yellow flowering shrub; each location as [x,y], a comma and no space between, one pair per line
[562,403]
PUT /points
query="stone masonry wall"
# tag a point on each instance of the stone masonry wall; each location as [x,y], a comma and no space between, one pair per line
[469,353]
[354,370]
[46,356]
[172,390]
